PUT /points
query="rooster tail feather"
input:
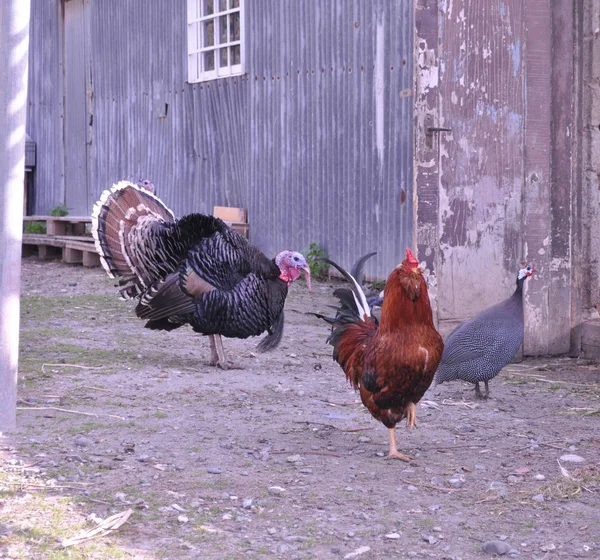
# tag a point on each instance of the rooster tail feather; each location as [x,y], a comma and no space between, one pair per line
[358,268]
[113,215]
[273,339]
[360,300]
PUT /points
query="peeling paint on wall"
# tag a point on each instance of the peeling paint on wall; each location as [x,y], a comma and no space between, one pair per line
[481,160]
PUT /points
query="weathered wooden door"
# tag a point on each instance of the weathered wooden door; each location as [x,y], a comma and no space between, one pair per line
[77,104]
[481,158]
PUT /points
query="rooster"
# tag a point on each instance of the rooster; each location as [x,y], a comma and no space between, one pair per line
[390,362]
[193,270]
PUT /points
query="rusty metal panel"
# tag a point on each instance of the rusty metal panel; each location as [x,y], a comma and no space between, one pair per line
[481,98]
[426,152]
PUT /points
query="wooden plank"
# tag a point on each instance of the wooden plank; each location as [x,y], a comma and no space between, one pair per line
[231,214]
[91,258]
[81,252]
[82,238]
[235,218]
[40,239]
[69,219]
[72,255]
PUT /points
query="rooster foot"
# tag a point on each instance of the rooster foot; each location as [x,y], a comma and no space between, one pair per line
[398,455]
[394,453]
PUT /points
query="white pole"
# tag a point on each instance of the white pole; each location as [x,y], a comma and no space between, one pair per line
[14,53]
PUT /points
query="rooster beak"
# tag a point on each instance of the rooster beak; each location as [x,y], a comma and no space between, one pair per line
[306,269]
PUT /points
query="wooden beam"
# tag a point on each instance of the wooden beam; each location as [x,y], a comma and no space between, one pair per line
[14,58]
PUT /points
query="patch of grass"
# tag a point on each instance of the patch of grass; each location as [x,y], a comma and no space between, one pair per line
[86,427]
[44,521]
[34,227]
[378,285]
[160,414]
[586,479]
[318,269]
[60,210]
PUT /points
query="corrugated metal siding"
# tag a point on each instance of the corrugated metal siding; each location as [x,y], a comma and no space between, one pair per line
[315,163]
[316,141]
[44,111]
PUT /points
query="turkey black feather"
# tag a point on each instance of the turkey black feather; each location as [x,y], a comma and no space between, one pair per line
[194,270]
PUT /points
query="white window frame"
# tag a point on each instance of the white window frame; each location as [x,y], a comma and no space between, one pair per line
[197,41]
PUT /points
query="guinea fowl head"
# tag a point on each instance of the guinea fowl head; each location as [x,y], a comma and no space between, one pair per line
[526,271]
[290,264]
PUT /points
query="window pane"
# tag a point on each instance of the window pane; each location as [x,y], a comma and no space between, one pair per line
[235,55]
[209,33]
[209,61]
[222,5]
[223,29]
[208,7]
[235,3]
[223,57]
[234,26]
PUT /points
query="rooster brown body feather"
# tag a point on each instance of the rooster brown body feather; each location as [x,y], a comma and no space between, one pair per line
[391,362]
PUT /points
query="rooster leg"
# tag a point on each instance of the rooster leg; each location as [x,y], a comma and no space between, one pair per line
[411,415]
[394,453]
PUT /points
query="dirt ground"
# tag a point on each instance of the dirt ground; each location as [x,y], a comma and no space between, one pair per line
[279,459]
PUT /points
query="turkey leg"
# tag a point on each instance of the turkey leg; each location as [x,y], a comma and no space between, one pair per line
[217,353]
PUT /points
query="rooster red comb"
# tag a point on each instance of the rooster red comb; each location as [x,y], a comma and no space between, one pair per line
[410,258]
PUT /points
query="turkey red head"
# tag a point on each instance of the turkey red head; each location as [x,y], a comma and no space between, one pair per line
[290,264]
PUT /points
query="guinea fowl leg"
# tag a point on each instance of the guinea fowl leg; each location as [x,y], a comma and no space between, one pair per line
[394,453]
[478,393]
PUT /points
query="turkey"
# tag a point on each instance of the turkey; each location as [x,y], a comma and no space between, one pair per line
[193,270]
[479,348]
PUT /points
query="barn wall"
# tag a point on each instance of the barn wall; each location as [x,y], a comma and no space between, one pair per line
[590,259]
[316,139]
[45,109]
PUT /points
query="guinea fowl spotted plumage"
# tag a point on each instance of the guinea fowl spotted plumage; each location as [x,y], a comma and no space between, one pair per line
[479,348]
[193,270]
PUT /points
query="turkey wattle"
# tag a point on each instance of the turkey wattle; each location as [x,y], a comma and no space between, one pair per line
[479,348]
[193,270]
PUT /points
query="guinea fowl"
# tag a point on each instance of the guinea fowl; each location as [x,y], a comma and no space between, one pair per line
[193,270]
[479,348]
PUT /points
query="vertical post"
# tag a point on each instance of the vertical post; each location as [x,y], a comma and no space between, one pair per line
[14,54]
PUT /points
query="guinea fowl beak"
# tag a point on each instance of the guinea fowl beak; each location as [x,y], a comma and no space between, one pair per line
[306,269]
